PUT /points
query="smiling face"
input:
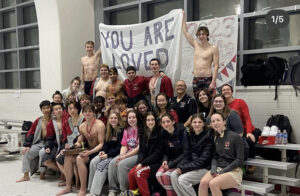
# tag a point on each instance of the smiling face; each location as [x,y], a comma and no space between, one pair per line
[113,120]
[150,122]
[46,110]
[167,123]
[89,48]
[111,100]
[226,91]
[57,111]
[57,98]
[104,72]
[197,124]
[217,122]
[154,66]
[218,104]
[203,98]
[72,110]
[75,84]
[131,119]
[88,114]
[161,102]
[113,76]
[180,87]
[131,75]
[202,36]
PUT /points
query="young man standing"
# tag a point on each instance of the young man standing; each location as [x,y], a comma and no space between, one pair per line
[135,86]
[205,54]
[158,84]
[93,132]
[101,83]
[89,66]
[183,104]
[34,142]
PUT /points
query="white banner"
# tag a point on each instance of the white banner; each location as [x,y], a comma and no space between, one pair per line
[135,45]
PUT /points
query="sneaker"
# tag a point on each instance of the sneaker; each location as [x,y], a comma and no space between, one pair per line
[274,131]
[133,192]
[112,193]
[266,131]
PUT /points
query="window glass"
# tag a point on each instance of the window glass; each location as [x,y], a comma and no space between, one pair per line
[9,20]
[12,80]
[156,10]
[10,60]
[215,8]
[29,15]
[262,35]
[7,3]
[31,37]
[122,17]
[10,40]
[256,5]
[30,79]
[32,58]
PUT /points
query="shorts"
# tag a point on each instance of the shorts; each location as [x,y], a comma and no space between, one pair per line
[200,83]
[236,173]
[87,87]
[60,159]
[51,156]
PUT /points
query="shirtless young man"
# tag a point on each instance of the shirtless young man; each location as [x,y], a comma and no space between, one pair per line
[34,142]
[101,83]
[89,66]
[205,55]
[91,131]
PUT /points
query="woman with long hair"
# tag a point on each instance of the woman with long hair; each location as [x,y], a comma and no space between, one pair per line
[149,158]
[162,106]
[190,171]
[111,148]
[73,89]
[204,102]
[175,148]
[228,157]
[120,166]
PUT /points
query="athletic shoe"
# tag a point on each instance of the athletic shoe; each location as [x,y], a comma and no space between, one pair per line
[123,193]
[91,194]
[266,131]
[273,131]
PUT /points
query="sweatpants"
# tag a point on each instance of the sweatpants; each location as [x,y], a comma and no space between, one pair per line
[139,179]
[118,174]
[164,178]
[41,155]
[98,174]
[183,184]
[30,155]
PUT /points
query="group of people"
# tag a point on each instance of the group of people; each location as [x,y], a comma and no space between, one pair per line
[138,135]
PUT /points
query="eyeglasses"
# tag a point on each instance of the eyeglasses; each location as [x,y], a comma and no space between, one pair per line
[218,101]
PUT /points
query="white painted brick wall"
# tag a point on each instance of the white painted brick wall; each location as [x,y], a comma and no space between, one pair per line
[261,104]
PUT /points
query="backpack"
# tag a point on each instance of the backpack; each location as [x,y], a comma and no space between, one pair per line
[276,72]
[294,65]
[26,125]
[254,73]
[282,122]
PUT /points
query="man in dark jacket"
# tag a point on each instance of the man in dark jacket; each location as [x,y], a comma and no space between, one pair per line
[34,142]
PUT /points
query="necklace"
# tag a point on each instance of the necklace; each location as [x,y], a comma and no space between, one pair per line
[89,130]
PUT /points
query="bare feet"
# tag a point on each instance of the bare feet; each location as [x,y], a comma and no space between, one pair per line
[62,183]
[81,193]
[42,175]
[64,191]
[23,179]
[62,177]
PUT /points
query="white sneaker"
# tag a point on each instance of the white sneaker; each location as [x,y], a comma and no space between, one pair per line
[273,131]
[266,131]
[112,193]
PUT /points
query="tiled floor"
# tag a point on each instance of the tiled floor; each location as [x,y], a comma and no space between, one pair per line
[10,171]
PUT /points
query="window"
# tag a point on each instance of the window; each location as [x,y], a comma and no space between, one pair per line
[19,45]
[256,38]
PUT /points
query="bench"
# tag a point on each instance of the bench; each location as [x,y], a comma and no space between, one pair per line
[257,187]
[270,164]
[277,179]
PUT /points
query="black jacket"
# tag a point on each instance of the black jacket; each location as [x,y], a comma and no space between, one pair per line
[175,146]
[112,148]
[186,107]
[150,152]
[200,152]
